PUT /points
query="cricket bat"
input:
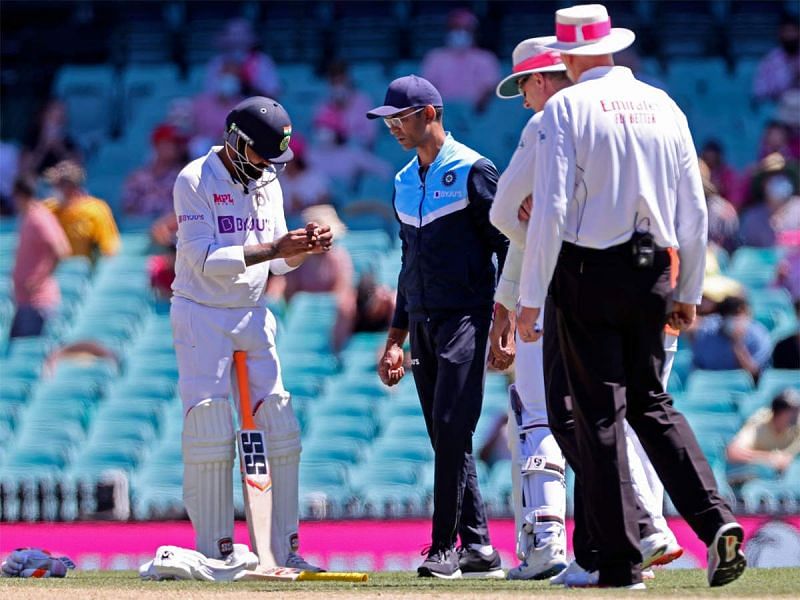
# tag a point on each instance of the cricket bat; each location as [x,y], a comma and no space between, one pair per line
[256,478]
[287,574]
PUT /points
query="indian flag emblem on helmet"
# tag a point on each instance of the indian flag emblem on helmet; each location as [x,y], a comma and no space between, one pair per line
[287,135]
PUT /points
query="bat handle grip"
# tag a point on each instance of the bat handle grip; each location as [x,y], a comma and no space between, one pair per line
[243,383]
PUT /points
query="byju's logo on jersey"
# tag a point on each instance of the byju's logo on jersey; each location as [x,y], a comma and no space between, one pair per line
[449,178]
[185,218]
[225,199]
[229,224]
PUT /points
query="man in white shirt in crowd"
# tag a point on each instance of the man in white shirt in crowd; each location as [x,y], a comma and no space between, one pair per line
[623,187]
[231,234]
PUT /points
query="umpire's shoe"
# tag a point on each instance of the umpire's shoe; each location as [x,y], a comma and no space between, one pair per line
[441,563]
[474,563]
[726,561]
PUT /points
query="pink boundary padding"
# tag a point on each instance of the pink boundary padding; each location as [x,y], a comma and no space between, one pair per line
[338,545]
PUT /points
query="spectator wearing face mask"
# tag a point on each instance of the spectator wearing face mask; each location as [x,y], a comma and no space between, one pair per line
[732,339]
[49,143]
[332,155]
[239,49]
[346,106]
[725,180]
[461,71]
[211,108]
[773,211]
[148,190]
[779,70]
[87,221]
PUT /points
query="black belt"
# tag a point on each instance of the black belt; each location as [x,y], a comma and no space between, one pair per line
[569,249]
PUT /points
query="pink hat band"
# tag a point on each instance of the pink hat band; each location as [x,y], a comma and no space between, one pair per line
[546,59]
[582,33]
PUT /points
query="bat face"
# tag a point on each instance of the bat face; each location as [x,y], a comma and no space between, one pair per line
[253,461]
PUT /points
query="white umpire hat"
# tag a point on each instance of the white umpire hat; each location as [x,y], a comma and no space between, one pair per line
[530,56]
[586,30]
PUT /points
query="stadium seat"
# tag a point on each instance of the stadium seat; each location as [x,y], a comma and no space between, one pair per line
[402,450]
[715,381]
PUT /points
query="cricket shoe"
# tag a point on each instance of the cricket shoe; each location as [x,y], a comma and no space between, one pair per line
[441,563]
[295,561]
[574,572]
[542,562]
[673,552]
[653,547]
[726,561]
[476,564]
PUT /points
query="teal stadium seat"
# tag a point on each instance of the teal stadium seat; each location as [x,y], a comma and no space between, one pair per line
[87,91]
[714,381]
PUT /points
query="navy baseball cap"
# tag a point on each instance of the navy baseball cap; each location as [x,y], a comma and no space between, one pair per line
[265,125]
[407,92]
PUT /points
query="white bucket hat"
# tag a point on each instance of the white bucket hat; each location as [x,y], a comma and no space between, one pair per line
[586,30]
[530,56]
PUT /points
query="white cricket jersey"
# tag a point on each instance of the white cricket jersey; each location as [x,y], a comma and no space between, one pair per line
[613,150]
[216,219]
[514,185]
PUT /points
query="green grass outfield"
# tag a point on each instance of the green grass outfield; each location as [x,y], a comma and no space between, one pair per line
[690,583]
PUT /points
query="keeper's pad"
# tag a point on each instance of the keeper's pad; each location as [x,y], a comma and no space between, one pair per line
[538,480]
[174,562]
[35,562]
[275,416]
[208,452]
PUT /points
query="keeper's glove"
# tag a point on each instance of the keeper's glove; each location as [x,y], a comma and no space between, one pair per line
[34,562]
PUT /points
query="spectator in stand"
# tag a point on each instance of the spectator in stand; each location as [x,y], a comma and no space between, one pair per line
[332,156]
[773,209]
[211,108]
[779,70]
[239,51]
[49,143]
[461,71]
[788,114]
[732,339]
[769,439]
[302,185]
[346,106]
[723,222]
[42,244]
[148,191]
[328,272]
[776,138]
[87,221]
[9,168]
[375,304]
[630,58]
[789,270]
[786,354]
[724,178]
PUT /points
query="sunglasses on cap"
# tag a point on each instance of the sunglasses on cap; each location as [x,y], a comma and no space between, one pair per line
[398,121]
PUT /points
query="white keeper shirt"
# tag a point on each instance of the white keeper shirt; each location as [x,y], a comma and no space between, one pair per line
[614,154]
[515,184]
[216,220]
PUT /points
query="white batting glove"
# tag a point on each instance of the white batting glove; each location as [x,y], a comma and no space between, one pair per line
[35,562]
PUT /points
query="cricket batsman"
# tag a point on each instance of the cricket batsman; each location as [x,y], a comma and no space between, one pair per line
[231,234]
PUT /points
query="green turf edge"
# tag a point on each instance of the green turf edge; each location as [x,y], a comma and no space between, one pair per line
[688,583]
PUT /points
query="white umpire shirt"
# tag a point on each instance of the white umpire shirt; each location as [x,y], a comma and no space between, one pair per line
[615,151]
[216,220]
[514,185]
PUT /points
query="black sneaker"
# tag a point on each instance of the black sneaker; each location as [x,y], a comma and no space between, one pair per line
[475,564]
[440,563]
[726,561]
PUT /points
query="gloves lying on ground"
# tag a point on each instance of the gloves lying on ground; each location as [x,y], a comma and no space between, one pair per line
[35,562]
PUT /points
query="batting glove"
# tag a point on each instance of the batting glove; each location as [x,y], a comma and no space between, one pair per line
[34,562]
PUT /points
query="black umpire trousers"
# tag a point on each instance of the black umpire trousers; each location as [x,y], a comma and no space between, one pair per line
[562,425]
[610,318]
[448,358]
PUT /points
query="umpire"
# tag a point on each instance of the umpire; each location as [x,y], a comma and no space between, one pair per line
[623,186]
[444,300]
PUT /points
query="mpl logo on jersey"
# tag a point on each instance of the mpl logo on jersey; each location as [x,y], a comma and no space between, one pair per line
[229,224]
[224,199]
